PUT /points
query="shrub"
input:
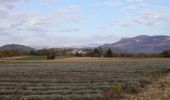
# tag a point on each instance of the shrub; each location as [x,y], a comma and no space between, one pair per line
[117,88]
[165,70]
[166,53]
[114,93]
[51,56]
[131,87]
[144,82]
[163,84]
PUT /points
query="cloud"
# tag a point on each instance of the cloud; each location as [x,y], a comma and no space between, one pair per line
[10,4]
[69,30]
[31,27]
[146,17]
[53,24]
[153,17]
[123,4]
[21,21]
[109,3]
[51,1]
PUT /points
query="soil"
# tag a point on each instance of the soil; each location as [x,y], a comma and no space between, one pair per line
[158,90]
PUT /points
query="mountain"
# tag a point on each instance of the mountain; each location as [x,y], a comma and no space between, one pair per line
[17,47]
[140,44]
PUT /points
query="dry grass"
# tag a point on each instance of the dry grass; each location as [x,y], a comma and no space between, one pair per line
[84,59]
[158,90]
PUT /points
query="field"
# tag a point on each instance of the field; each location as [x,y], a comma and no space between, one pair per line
[77,79]
[25,58]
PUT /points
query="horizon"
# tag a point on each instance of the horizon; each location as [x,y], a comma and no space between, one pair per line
[63,23]
[83,46]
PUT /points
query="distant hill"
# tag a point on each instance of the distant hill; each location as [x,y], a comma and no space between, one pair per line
[17,47]
[140,44]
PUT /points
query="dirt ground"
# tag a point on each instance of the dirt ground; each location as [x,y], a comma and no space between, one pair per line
[158,90]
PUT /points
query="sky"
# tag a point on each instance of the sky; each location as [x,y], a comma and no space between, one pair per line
[72,23]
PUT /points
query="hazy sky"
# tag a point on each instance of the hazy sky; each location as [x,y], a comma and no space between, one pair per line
[58,23]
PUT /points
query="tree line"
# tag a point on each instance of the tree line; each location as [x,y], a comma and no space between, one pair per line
[98,52]
[12,53]
[166,53]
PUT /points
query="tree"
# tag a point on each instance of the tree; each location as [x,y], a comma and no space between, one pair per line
[109,53]
[51,56]
[12,53]
[166,53]
[43,52]
[33,52]
[96,53]
[78,54]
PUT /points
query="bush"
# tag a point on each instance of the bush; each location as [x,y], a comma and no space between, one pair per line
[166,53]
[114,93]
[51,56]
[12,53]
[165,70]
[117,88]
[144,82]
[131,87]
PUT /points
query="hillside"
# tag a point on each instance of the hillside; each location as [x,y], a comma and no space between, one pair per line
[140,44]
[16,47]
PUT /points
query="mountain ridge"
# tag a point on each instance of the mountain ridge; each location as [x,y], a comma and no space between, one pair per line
[17,47]
[140,44]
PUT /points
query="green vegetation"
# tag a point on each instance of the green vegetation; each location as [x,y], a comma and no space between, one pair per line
[31,58]
[166,53]
[51,56]
[96,53]
[109,53]
[52,53]
[76,80]
[12,53]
